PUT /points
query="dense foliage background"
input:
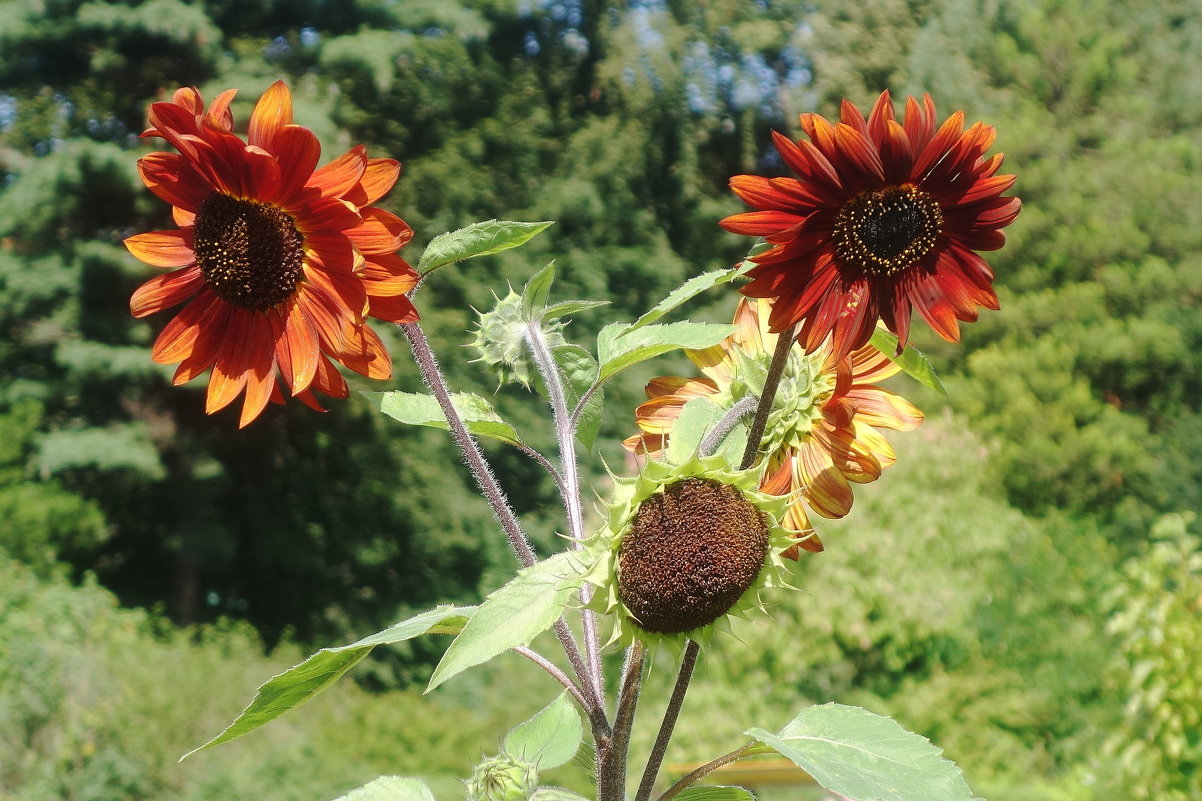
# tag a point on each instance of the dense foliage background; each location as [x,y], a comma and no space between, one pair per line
[1020,587]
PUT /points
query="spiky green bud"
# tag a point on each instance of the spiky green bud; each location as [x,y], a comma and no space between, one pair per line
[502,778]
[501,340]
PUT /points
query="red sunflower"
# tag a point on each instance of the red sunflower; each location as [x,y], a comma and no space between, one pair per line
[884,217]
[279,263]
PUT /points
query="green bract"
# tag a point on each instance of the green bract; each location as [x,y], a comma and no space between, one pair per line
[684,547]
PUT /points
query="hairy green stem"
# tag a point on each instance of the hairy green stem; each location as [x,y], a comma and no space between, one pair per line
[611,763]
[565,434]
[476,462]
[482,472]
[725,425]
[708,767]
[775,370]
[784,344]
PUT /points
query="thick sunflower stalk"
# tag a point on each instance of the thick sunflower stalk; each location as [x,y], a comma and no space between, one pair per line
[279,264]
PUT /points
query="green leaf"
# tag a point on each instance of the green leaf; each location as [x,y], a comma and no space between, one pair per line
[555,794]
[618,347]
[566,307]
[538,289]
[685,292]
[696,418]
[298,684]
[716,793]
[866,757]
[477,239]
[579,370]
[513,615]
[423,410]
[390,788]
[909,360]
[550,738]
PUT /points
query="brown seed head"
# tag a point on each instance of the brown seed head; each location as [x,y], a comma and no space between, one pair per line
[691,553]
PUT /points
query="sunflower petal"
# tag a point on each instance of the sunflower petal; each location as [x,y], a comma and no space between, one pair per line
[271,114]
[171,248]
[165,291]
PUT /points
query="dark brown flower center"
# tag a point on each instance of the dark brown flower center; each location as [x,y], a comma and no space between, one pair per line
[691,553]
[884,231]
[250,253]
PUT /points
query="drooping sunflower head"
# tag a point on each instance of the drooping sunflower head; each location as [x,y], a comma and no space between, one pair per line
[683,548]
[883,217]
[279,263]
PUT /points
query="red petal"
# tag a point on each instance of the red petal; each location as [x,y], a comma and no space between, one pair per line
[393,308]
[380,232]
[194,324]
[378,178]
[219,114]
[760,223]
[366,354]
[165,291]
[326,214]
[342,174]
[297,151]
[173,179]
[880,117]
[234,359]
[919,122]
[272,113]
[163,248]
[937,148]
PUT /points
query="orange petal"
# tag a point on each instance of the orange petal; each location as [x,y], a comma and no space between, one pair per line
[824,486]
[196,321]
[165,291]
[232,364]
[342,174]
[173,179]
[163,248]
[219,114]
[260,382]
[378,178]
[329,381]
[393,308]
[272,112]
[381,232]
[297,151]
[366,354]
[303,349]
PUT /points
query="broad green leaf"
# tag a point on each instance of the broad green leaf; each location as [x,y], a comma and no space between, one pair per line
[390,788]
[423,410]
[538,289]
[715,793]
[910,360]
[866,757]
[555,794]
[513,615]
[685,292]
[477,239]
[619,348]
[298,684]
[579,370]
[566,307]
[696,418]
[550,738]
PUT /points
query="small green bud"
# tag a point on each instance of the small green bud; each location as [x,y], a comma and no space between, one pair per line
[502,778]
[501,341]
